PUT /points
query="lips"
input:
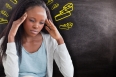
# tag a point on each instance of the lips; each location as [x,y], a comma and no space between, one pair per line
[34,31]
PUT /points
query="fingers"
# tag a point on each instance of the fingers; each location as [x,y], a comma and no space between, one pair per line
[47,28]
[48,23]
[16,25]
[22,18]
[51,23]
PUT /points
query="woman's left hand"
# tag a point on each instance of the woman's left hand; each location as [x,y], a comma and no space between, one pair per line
[54,32]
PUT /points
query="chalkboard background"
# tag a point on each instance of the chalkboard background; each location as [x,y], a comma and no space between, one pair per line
[90,37]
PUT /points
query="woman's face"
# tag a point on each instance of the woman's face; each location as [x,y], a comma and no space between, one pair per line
[35,20]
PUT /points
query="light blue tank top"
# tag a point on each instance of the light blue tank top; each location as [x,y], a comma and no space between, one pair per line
[33,64]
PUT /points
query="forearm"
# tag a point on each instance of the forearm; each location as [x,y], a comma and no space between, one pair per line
[64,61]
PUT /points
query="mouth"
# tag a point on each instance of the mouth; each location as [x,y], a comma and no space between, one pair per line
[34,31]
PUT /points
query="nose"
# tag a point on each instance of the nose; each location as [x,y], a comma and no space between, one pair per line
[36,25]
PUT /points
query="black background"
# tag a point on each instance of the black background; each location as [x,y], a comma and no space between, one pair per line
[92,39]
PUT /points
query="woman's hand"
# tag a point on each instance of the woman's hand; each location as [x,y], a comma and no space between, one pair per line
[54,32]
[15,27]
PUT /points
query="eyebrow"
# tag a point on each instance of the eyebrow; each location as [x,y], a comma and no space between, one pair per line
[32,17]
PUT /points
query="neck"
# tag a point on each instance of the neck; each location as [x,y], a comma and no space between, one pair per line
[27,38]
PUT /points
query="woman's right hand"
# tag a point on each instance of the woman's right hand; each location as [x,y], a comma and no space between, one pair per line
[15,27]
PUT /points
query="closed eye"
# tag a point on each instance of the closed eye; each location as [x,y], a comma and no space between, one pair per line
[31,20]
[42,22]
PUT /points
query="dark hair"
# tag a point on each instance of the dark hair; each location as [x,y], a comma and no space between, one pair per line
[18,11]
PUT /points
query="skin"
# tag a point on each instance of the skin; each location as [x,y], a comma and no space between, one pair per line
[33,21]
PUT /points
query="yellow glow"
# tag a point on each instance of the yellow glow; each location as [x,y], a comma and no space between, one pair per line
[3,12]
[55,6]
[8,6]
[66,26]
[65,12]
[50,2]
[3,21]
[14,1]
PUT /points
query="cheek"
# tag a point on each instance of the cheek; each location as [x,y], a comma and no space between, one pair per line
[41,26]
[27,24]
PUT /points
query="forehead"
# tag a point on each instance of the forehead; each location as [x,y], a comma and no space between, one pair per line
[37,12]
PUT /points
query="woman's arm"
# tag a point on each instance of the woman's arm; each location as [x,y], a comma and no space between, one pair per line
[61,55]
[63,61]
[10,62]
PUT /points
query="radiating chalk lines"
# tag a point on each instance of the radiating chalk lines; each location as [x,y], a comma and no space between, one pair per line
[5,13]
[63,14]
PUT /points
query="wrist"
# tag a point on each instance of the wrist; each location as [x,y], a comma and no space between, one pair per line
[10,39]
[60,41]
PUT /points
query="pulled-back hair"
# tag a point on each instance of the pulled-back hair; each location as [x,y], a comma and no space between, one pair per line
[18,11]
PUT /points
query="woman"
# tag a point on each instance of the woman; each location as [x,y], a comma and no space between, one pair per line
[26,47]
